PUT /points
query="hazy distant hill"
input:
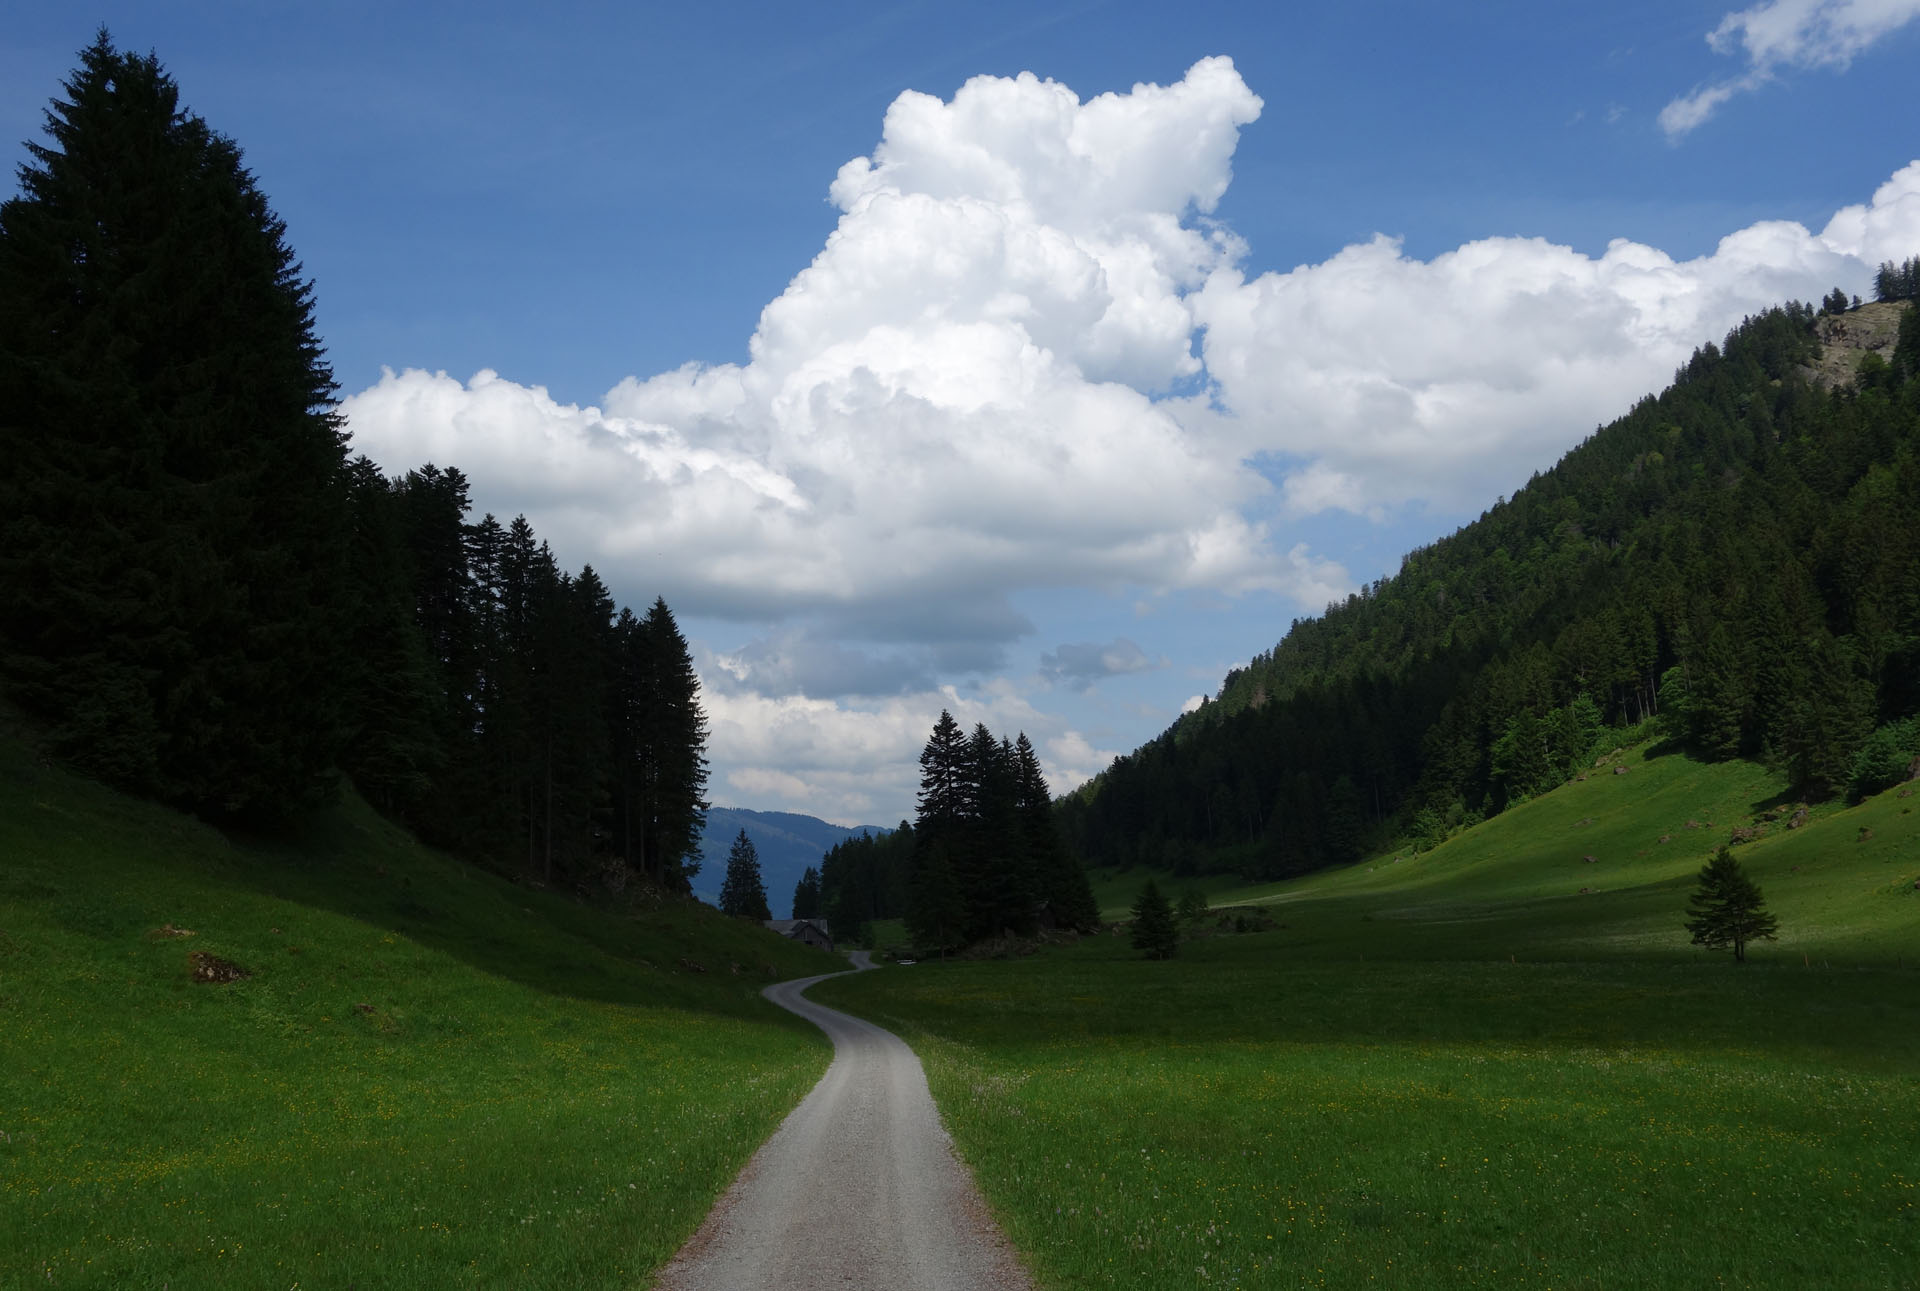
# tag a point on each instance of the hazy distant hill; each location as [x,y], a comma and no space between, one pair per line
[786,841]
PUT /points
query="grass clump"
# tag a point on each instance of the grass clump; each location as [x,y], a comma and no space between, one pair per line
[425,1076]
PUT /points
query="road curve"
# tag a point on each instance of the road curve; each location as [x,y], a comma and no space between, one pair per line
[857,1190]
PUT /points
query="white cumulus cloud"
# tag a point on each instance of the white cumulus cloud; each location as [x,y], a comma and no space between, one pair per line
[1786,33]
[987,383]
[1383,379]
[955,401]
[859,760]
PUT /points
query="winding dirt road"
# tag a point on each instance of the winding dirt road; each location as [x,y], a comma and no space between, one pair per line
[857,1191]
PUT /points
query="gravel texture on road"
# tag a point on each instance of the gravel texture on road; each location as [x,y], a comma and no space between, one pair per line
[858,1189]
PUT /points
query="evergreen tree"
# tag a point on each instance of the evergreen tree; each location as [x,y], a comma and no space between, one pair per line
[1346,822]
[397,748]
[1058,878]
[173,507]
[943,799]
[1193,906]
[663,774]
[867,878]
[806,895]
[1154,928]
[742,894]
[994,883]
[1727,909]
[937,905]
[1897,281]
[936,910]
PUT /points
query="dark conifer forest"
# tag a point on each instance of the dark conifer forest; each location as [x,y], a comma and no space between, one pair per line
[208,602]
[1730,566]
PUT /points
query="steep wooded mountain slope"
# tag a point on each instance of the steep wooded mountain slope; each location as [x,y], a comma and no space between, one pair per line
[1733,556]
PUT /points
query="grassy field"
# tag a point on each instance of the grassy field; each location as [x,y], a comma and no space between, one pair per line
[1459,1069]
[431,1077]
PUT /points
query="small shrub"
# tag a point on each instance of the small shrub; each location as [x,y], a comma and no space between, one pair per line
[1883,761]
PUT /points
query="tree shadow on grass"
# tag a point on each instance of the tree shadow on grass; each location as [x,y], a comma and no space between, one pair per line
[113,867]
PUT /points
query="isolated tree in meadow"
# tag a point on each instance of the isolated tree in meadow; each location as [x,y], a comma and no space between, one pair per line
[742,893]
[1727,909]
[1154,928]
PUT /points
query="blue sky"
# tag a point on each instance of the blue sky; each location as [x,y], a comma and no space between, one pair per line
[1061,404]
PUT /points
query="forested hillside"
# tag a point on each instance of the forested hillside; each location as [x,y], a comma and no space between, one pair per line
[207,603]
[1734,557]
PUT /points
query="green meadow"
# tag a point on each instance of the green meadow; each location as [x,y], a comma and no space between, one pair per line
[431,1078]
[1498,1063]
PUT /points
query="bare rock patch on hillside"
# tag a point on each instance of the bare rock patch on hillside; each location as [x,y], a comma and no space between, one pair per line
[1847,338]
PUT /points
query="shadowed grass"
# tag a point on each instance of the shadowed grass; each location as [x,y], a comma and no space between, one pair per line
[431,1077]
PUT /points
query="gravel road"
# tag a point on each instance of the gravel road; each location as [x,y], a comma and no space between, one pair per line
[858,1188]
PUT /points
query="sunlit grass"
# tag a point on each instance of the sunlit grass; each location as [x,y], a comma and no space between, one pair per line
[431,1078]
[1462,1071]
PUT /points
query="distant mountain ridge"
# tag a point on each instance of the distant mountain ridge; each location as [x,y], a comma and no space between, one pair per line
[786,841]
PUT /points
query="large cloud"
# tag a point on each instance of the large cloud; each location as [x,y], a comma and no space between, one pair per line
[1786,33]
[857,762]
[953,402]
[987,383]
[1377,379]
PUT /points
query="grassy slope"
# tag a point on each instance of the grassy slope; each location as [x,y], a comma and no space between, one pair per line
[1377,1094]
[433,1078]
[1513,886]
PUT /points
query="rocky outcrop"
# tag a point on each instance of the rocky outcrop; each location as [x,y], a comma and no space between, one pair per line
[1847,338]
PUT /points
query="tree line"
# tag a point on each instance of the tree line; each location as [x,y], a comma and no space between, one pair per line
[983,855]
[210,603]
[1731,562]
[1897,281]
[987,856]
[861,881]
[509,711]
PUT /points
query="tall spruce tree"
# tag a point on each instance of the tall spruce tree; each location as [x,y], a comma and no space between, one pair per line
[397,748]
[806,895]
[173,517]
[936,909]
[661,773]
[1058,878]
[868,878]
[993,876]
[1155,930]
[742,893]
